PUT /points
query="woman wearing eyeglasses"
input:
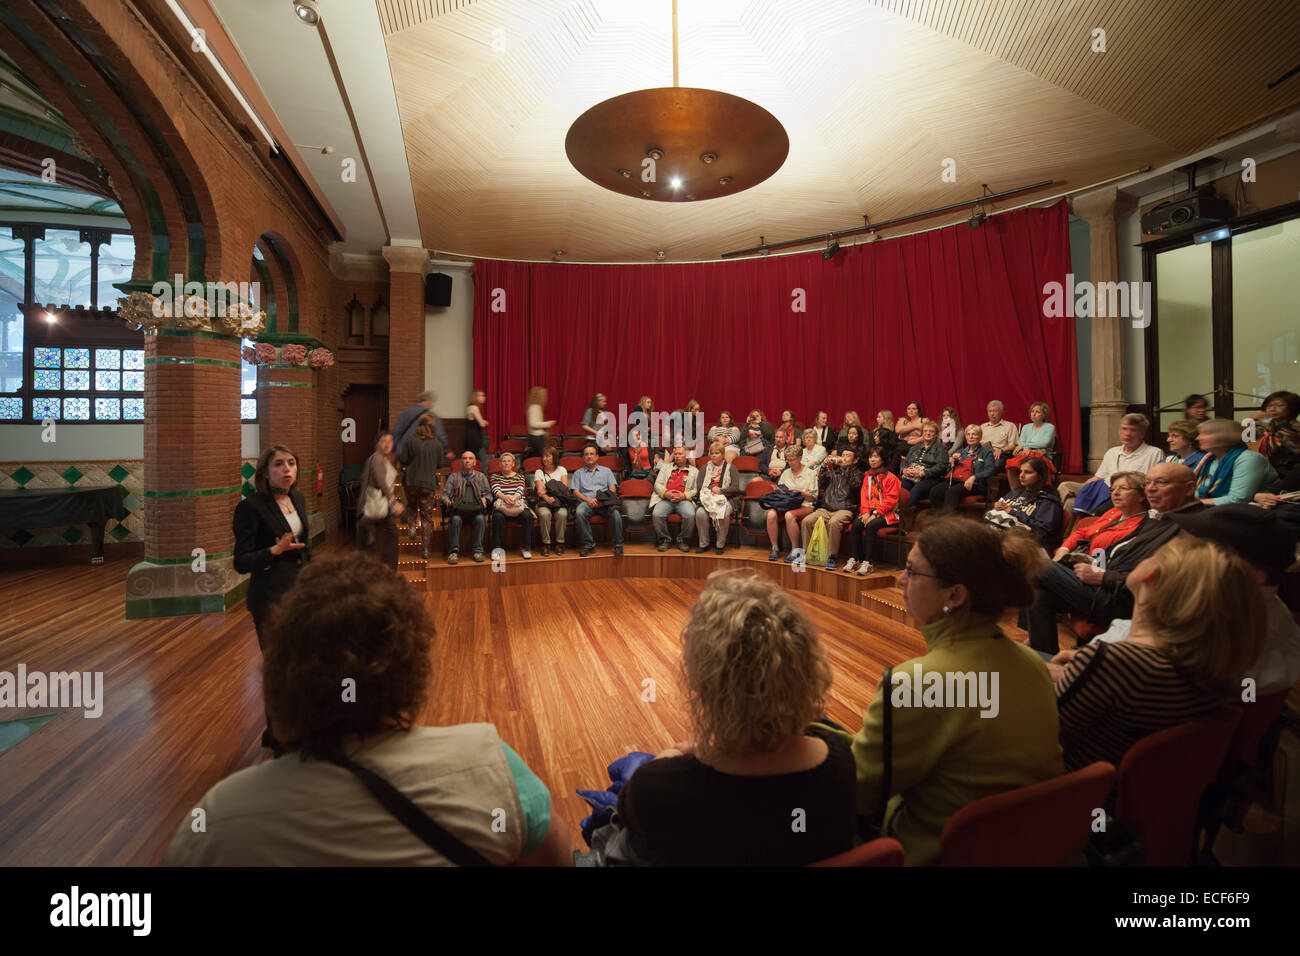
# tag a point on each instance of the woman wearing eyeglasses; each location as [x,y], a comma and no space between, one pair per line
[948,749]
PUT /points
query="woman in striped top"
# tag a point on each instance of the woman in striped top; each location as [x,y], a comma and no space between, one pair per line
[509,501]
[1198,624]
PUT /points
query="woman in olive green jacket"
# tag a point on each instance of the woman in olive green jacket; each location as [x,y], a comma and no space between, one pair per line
[976,715]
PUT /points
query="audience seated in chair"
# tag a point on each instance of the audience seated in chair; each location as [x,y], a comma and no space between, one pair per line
[466,494]
[814,453]
[756,434]
[717,499]
[878,509]
[1198,624]
[1037,439]
[840,486]
[552,512]
[1131,454]
[350,615]
[960,577]
[1181,440]
[999,434]
[1035,506]
[675,490]
[796,477]
[510,500]
[1234,473]
[771,463]
[586,483]
[755,678]
[726,432]
[925,464]
[1268,546]
[970,467]
[1098,591]
[1130,508]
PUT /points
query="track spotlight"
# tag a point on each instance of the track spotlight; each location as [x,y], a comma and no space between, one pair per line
[832,247]
[978,218]
[307,11]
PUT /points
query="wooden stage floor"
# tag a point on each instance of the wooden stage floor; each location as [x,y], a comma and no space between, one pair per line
[555,653]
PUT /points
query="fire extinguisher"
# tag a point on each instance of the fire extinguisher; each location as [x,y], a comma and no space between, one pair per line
[320,479]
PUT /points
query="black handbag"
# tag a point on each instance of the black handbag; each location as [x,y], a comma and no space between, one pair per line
[416,820]
[607,498]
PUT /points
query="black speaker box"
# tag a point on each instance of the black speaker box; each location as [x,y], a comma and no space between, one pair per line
[437,289]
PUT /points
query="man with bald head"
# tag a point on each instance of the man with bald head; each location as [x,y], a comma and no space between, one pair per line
[1097,591]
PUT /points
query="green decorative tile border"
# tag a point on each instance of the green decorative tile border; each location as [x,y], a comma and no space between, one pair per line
[143,608]
[286,384]
[51,475]
[175,360]
[196,334]
[190,492]
[210,557]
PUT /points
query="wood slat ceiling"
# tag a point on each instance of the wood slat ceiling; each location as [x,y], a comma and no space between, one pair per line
[874,94]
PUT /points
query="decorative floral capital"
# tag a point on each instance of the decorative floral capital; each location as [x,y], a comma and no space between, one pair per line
[142,310]
[293,354]
[265,353]
[321,358]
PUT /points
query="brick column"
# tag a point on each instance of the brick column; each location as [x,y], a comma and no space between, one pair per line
[286,412]
[406,271]
[191,475]
[1107,331]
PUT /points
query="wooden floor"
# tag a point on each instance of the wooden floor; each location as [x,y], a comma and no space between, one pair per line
[560,668]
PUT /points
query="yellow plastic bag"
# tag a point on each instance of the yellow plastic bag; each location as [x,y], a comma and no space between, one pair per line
[819,545]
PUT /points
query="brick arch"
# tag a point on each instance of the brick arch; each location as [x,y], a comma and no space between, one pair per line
[44,58]
[288,272]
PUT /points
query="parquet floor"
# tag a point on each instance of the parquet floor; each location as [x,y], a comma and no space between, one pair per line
[560,668]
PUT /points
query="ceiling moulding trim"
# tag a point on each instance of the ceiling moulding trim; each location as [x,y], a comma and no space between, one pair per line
[357,267]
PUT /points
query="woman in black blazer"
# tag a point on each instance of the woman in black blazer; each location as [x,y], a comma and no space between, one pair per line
[271,534]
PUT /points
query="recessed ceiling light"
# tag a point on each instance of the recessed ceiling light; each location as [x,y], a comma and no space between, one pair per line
[675,182]
[307,11]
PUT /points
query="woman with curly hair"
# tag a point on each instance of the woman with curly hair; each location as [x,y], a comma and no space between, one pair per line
[346,674]
[755,677]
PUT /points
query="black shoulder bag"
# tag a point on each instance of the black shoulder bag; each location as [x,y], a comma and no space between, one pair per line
[415,819]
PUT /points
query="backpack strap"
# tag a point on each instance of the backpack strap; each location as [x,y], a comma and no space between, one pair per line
[416,820]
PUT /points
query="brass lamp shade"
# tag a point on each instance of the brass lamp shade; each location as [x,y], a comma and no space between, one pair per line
[714,144]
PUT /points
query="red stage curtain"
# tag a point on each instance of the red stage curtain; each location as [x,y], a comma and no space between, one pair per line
[950,317]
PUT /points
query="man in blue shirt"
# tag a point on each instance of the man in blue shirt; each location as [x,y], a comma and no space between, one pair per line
[585,483]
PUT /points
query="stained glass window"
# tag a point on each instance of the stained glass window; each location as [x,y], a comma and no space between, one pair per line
[47,358]
[76,358]
[76,381]
[11,408]
[108,381]
[76,409]
[48,380]
[133,358]
[12,269]
[43,408]
[133,409]
[61,268]
[133,381]
[248,409]
[108,358]
[108,409]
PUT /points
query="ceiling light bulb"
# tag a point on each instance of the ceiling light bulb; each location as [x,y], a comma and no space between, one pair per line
[49,317]
[675,182]
[307,11]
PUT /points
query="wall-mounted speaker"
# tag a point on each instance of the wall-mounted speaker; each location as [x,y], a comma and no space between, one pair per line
[437,289]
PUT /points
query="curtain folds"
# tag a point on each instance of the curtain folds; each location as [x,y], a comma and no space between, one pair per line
[950,317]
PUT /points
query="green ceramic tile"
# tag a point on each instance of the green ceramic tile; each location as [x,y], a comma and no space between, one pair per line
[118,473]
[72,535]
[246,490]
[22,475]
[247,470]
[119,532]
[71,475]
[20,537]
[130,503]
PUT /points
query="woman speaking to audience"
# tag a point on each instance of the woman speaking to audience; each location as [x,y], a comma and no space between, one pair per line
[271,540]
[960,577]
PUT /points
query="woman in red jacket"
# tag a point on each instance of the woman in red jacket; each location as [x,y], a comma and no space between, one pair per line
[879,509]
[1128,493]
